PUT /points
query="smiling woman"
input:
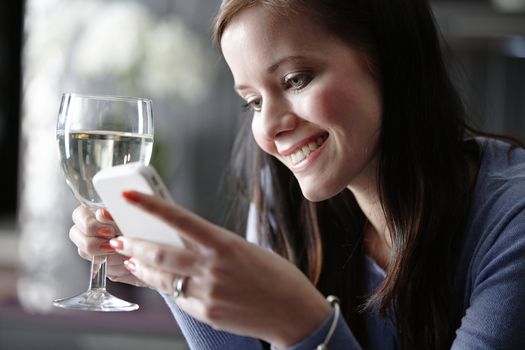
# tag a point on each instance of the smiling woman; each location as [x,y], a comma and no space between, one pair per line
[379,218]
[306,85]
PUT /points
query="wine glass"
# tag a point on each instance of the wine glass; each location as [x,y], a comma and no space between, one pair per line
[93,133]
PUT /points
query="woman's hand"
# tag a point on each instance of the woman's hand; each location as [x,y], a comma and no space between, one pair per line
[91,234]
[231,284]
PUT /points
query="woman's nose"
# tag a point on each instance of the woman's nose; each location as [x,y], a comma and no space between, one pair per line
[276,118]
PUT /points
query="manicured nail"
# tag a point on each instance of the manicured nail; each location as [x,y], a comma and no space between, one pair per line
[131,196]
[105,232]
[117,243]
[107,215]
[105,246]
[128,264]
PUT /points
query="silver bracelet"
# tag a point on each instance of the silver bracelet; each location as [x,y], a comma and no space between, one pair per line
[334,301]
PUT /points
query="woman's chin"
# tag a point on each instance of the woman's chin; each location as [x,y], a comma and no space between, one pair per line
[317,193]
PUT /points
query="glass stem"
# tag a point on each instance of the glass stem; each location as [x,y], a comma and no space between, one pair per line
[98,274]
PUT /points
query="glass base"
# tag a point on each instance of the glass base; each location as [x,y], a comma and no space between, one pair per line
[95,300]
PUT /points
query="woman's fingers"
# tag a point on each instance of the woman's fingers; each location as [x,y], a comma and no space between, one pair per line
[169,258]
[91,246]
[111,259]
[158,279]
[83,218]
[103,216]
[161,280]
[88,257]
[189,225]
[116,260]
[88,224]
[116,270]
[90,235]
[123,275]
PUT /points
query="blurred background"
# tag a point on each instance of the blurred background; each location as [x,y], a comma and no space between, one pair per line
[162,50]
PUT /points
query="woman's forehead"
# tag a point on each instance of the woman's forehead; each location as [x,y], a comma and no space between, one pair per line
[265,27]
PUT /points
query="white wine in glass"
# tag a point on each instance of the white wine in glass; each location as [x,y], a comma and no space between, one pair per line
[93,133]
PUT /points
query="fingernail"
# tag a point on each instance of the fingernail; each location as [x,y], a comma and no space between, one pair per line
[105,232]
[128,264]
[131,196]
[107,215]
[106,246]
[117,243]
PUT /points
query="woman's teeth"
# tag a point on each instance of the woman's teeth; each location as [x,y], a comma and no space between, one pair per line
[299,155]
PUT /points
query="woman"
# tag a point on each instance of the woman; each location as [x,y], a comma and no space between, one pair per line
[365,183]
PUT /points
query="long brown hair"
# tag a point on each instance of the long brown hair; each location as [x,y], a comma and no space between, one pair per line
[423,176]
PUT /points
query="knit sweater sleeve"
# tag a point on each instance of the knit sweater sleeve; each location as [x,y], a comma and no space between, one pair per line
[342,337]
[494,294]
[201,336]
[496,306]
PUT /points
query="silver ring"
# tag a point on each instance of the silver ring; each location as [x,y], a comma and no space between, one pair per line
[178,286]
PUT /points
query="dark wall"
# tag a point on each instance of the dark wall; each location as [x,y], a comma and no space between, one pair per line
[11,19]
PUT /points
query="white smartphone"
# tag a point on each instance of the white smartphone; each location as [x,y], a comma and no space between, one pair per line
[131,220]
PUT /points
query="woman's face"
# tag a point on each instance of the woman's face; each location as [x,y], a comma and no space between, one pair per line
[316,106]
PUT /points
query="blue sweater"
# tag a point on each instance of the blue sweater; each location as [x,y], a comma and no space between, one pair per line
[489,294]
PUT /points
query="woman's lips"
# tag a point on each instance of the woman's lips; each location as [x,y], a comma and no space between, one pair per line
[303,152]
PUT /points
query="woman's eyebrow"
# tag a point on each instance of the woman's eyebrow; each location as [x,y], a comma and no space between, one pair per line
[272,68]
[282,60]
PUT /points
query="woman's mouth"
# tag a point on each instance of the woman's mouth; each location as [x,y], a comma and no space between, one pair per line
[302,153]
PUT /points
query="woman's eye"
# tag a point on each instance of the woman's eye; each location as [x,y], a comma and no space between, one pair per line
[297,81]
[254,104]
